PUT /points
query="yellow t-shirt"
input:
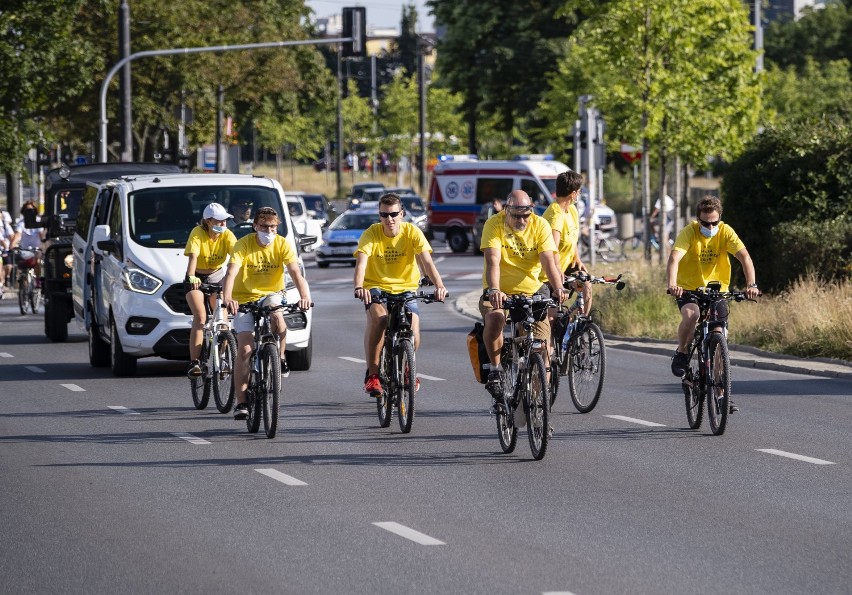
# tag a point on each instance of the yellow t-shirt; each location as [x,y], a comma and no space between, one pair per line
[705,259]
[261,267]
[567,223]
[211,253]
[520,265]
[391,266]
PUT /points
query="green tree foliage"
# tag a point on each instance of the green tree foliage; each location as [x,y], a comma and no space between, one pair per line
[789,196]
[407,44]
[43,63]
[498,55]
[822,35]
[817,90]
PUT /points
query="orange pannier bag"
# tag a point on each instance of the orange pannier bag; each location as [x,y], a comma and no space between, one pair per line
[478,353]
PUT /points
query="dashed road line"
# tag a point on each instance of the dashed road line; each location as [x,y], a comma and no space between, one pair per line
[4,354]
[190,438]
[557,593]
[36,369]
[124,410]
[633,420]
[363,361]
[74,388]
[427,377]
[353,359]
[792,455]
[409,533]
[282,477]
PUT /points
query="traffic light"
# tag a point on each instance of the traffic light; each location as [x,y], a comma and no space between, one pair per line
[355,26]
[43,155]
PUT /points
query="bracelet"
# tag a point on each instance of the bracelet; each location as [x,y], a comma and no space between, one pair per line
[753,286]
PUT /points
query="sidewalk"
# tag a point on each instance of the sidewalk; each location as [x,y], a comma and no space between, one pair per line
[741,355]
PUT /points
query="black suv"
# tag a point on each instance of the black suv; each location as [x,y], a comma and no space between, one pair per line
[63,192]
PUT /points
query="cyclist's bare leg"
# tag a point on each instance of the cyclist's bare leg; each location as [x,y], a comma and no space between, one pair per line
[374,335]
[195,299]
[586,288]
[241,369]
[689,318]
[415,330]
[279,329]
[492,334]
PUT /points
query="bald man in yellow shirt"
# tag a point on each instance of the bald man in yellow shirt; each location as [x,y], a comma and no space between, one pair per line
[389,258]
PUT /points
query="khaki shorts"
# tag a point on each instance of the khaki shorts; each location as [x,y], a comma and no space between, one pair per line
[541,329]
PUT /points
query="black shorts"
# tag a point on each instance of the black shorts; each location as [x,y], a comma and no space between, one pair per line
[721,308]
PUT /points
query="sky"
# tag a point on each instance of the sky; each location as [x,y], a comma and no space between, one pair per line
[380,13]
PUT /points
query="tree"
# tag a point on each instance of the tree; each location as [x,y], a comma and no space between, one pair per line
[817,90]
[823,35]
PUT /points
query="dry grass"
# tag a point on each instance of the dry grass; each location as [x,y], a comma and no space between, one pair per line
[811,319]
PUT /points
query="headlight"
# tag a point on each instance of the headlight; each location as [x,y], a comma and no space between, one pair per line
[69,261]
[141,282]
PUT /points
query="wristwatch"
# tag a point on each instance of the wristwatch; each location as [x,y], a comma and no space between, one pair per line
[753,286]
[491,290]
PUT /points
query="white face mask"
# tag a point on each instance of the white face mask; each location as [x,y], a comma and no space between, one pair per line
[218,228]
[265,238]
[709,233]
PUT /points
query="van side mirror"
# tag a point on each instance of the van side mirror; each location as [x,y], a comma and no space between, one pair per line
[101,241]
[305,241]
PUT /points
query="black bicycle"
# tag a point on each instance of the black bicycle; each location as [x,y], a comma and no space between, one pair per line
[397,362]
[218,355]
[708,376]
[29,296]
[524,376]
[577,347]
[264,383]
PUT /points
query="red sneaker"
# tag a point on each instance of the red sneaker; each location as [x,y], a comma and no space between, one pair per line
[416,380]
[373,385]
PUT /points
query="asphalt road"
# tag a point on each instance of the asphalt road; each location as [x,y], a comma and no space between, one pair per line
[120,486]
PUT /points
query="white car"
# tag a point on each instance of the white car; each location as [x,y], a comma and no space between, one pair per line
[127,277]
[305,224]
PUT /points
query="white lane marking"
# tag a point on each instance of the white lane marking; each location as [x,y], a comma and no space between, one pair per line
[557,593]
[282,477]
[190,438]
[409,533]
[4,354]
[792,455]
[353,359]
[35,369]
[124,410]
[633,420]
[74,388]
[468,276]
[363,361]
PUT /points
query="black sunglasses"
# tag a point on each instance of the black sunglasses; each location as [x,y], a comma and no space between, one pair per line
[392,215]
[520,213]
[709,224]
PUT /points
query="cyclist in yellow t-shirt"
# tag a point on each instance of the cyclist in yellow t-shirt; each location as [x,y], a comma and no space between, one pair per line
[564,222]
[389,258]
[517,245]
[256,272]
[208,247]
[700,255]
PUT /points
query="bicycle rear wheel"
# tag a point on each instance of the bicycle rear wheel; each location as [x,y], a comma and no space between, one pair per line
[586,366]
[200,385]
[255,408]
[384,404]
[270,387]
[223,371]
[693,392]
[718,384]
[537,407]
[407,374]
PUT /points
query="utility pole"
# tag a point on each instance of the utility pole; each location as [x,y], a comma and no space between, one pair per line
[758,37]
[219,116]
[124,82]
[339,128]
[421,87]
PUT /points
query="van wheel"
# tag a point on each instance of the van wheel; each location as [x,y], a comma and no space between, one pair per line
[300,360]
[457,240]
[98,349]
[121,363]
[56,320]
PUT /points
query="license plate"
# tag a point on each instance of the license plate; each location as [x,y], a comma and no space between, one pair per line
[341,251]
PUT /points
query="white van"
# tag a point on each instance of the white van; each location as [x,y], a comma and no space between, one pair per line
[128,270]
[459,189]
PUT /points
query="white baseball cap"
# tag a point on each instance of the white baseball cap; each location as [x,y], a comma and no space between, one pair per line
[216,211]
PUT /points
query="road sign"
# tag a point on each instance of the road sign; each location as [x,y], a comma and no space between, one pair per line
[630,153]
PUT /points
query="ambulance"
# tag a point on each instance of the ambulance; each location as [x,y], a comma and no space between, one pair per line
[459,189]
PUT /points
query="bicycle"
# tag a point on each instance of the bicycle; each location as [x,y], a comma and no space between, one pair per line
[577,347]
[218,355]
[397,363]
[708,375]
[29,296]
[264,382]
[524,376]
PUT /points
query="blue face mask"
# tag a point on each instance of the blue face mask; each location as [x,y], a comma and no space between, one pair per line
[708,233]
[218,228]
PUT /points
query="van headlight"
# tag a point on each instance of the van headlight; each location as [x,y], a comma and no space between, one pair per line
[288,282]
[141,282]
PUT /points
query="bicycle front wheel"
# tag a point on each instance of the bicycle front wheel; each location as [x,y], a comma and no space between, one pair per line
[223,371]
[537,407]
[586,367]
[693,392]
[407,386]
[384,404]
[718,384]
[270,387]
[200,385]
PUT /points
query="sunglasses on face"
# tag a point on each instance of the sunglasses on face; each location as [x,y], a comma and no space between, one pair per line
[392,215]
[520,213]
[709,224]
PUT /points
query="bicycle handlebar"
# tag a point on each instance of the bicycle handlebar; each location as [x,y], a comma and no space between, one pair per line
[427,298]
[255,307]
[583,277]
[707,295]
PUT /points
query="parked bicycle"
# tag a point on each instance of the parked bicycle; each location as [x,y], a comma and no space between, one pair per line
[524,376]
[264,382]
[397,362]
[577,347]
[708,376]
[29,295]
[218,355]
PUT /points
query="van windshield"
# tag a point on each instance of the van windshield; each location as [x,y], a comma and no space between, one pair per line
[164,217]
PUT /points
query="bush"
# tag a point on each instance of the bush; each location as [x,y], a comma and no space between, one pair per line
[789,197]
